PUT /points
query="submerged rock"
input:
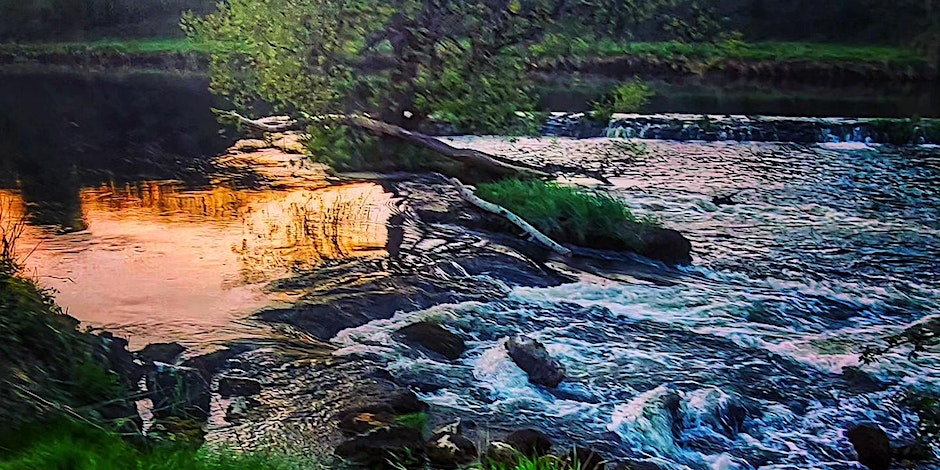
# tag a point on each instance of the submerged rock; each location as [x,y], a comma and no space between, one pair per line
[432,337]
[532,357]
[872,445]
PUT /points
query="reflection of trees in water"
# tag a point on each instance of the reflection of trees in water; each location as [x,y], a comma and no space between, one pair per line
[269,230]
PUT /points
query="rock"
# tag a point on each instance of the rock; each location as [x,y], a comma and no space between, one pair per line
[872,445]
[112,352]
[379,447]
[450,450]
[861,380]
[529,442]
[634,464]
[362,423]
[731,415]
[432,337]
[238,408]
[586,459]
[167,353]
[532,357]
[238,386]
[724,201]
[249,145]
[665,245]
[178,392]
[400,402]
[502,454]
[209,364]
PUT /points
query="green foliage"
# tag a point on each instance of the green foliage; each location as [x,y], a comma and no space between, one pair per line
[628,97]
[569,214]
[547,462]
[73,446]
[918,338]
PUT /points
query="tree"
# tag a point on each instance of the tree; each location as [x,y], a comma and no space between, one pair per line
[399,61]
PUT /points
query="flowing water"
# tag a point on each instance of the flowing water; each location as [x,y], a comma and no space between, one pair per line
[830,248]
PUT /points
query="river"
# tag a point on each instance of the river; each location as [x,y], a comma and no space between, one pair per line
[827,248]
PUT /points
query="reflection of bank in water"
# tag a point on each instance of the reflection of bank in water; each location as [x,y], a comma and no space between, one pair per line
[159,262]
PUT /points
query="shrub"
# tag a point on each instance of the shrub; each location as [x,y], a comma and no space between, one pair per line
[628,97]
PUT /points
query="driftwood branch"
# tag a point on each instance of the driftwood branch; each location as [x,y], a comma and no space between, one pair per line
[268,124]
[467,194]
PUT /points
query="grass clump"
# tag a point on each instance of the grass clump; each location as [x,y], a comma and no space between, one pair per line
[568,214]
[73,446]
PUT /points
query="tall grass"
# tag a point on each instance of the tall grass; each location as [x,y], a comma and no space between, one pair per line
[11,229]
[569,214]
[72,446]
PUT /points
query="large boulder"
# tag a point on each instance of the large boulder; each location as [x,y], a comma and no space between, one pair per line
[532,357]
[872,445]
[529,442]
[432,337]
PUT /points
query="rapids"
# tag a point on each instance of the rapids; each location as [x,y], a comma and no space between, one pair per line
[826,248]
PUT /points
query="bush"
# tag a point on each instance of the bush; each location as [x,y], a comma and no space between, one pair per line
[629,97]
[568,214]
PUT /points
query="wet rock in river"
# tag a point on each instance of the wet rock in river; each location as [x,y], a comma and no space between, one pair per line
[502,454]
[529,442]
[665,245]
[382,447]
[432,337]
[238,386]
[398,402]
[872,445]
[532,357]
[167,353]
[450,449]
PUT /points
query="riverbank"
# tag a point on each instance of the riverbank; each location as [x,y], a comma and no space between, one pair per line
[794,62]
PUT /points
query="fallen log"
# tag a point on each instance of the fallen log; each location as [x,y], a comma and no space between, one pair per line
[467,194]
[468,156]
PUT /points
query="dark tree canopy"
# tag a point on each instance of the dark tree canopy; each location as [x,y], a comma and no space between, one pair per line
[401,60]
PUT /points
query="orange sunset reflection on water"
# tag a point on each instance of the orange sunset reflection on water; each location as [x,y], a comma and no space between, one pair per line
[156,262]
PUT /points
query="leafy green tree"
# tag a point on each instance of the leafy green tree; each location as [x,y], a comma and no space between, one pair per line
[400,61]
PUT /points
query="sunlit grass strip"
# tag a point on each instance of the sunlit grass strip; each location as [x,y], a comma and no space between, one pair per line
[566,213]
[117,46]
